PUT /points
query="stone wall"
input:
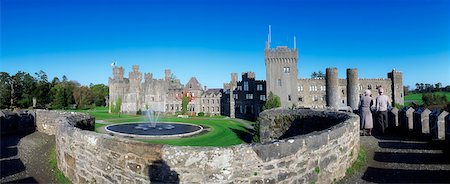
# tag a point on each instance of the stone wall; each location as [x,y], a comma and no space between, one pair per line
[47,121]
[86,156]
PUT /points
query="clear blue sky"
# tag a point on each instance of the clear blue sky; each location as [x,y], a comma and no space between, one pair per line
[211,39]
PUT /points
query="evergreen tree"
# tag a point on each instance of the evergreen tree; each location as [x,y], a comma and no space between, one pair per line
[273,101]
[184,104]
[5,90]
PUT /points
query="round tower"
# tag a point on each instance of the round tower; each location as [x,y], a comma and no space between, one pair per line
[352,88]
[332,83]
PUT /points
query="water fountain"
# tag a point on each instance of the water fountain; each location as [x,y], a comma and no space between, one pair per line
[154,129]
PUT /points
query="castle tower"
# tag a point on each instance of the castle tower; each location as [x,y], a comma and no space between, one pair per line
[352,88]
[118,73]
[281,72]
[167,74]
[332,85]
[118,86]
[397,87]
[233,84]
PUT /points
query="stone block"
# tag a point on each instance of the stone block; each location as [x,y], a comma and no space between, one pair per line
[315,141]
[393,117]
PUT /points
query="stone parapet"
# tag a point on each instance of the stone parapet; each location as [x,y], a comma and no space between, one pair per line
[320,156]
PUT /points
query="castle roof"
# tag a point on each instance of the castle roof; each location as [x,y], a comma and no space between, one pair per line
[213,91]
[193,84]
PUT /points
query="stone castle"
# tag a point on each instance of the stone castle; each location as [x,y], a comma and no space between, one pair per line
[282,80]
[163,95]
[249,95]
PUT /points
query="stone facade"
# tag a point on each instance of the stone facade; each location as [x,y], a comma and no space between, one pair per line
[164,95]
[89,157]
[249,96]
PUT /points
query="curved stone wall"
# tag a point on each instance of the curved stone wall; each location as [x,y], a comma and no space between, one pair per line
[319,156]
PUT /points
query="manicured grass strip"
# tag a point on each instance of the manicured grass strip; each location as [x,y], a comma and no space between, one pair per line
[359,163]
[221,133]
[60,178]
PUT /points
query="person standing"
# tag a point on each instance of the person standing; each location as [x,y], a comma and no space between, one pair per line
[365,113]
[382,103]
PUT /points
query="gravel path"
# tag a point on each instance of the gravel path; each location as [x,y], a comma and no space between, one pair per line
[24,158]
[401,159]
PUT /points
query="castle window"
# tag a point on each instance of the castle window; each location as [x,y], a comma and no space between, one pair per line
[235,96]
[315,98]
[249,96]
[343,93]
[369,86]
[323,88]
[323,98]
[289,97]
[239,88]
[286,70]
[262,97]
[203,109]
[245,85]
[279,82]
[259,87]
[300,99]
[343,101]
[401,95]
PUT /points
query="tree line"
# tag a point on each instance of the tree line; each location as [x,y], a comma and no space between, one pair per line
[21,89]
[424,87]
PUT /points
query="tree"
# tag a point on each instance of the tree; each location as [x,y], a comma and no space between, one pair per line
[5,90]
[43,88]
[430,99]
[273,101]
[60,96]
[23,89]
[184,104]
[318,74]
[99,91]
[117,106]
[438,86]
[83,96]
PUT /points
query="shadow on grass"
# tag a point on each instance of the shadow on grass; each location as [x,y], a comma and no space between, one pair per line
[246,136]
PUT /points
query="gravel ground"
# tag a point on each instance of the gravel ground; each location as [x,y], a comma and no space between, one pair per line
[24,158]
[401,159]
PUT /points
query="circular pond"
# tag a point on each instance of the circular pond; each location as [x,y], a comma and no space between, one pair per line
[158,130]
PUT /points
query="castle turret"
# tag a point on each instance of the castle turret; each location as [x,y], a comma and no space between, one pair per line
[352,88]
[397,87]
[118,73]
[233,84]
[332,84]
[167,74]
[282,73]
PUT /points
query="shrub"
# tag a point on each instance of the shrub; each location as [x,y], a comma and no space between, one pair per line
[201,114]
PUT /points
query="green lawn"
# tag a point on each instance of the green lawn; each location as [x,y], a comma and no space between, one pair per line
[417,97]
[223,131]
[101,113]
